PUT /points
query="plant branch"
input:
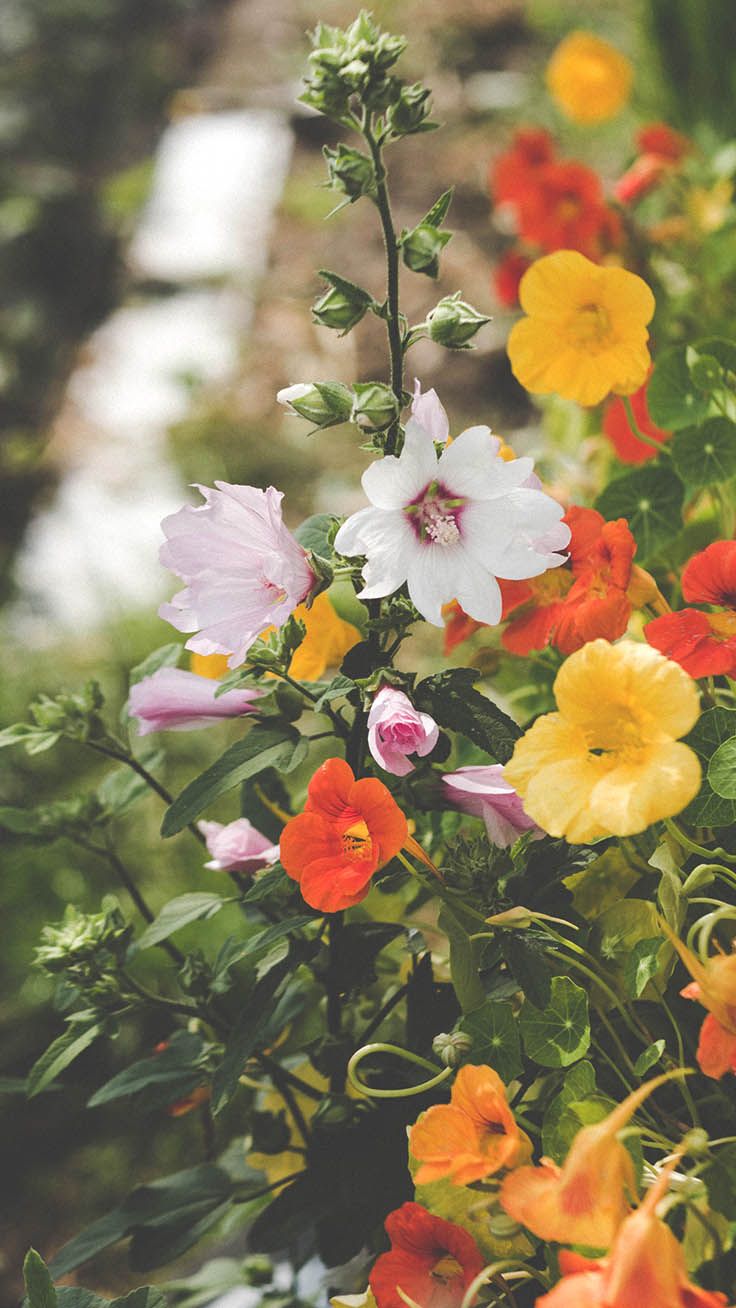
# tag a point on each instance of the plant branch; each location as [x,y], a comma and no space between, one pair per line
[393,320]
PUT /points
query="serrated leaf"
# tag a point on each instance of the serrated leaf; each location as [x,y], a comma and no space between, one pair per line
[451,700]
[649,1058]
[558,1035]
[38,1283]
[708,809]
[651,499]
[265,745]
[706,455]
[178,913]
[495,1034]
[60,1055]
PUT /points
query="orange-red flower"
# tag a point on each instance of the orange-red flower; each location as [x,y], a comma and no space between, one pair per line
[473,1136]
[563,209]
[714,986]
[431,1261]
[586,1200]
[660,150]
[513,171]
[507,275]
[645,1269]
[348,830]
[617,428]
[704,644]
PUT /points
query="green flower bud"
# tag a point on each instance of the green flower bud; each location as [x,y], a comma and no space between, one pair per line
[350,171]
[696,1142]
[375,405]
[453,323]
[290,702]
[451,1048]
[81,938]
[410,112]
[342,306]
[422,247]
[326,404]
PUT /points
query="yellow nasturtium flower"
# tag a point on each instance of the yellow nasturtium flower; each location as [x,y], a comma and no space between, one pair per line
[585,333]
[610,761]
[588,78]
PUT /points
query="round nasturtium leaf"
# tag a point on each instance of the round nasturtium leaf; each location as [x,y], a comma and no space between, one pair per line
[722,770]
[558,1035]
[706,455]
[650,498]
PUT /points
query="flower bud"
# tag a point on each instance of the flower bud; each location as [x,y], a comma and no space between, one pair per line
[350,171]
[409,113]
[342,306]
[326,404]
[422,247]
[375,405]
[453,323]
[452,1047]
[695,1142]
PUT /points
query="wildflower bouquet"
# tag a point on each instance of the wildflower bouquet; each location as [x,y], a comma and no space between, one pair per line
[446,1044]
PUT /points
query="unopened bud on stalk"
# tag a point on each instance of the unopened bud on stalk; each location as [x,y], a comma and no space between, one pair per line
[324,403]
[342,306]
[350,171]
[375,406]
[452,1047]
[410,112]
[422,248]
[453,323]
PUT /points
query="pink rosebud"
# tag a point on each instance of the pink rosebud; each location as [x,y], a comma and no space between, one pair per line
[483,792]
[396,729]
[174,700]
[243,569]
[237,846]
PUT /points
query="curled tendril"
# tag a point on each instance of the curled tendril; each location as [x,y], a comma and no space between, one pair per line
[403,1092]
[508,1267]
[705,926]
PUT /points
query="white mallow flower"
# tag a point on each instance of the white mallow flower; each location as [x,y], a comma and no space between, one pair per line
[449,526]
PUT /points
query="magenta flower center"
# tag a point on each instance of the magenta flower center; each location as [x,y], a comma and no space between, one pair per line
[435,515]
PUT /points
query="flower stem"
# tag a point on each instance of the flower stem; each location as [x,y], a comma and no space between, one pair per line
[393,320]
[659,446]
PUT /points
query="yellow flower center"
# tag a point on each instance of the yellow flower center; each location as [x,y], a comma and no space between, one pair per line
[446,1269]
[723,625]
[589,327]
[356,841]
[552,585]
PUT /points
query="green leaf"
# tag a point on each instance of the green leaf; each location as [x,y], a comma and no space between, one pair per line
[528,966]
[558,1035]
[579,1084]
[720,1178]
[650,498]
[73,1296]
[39,1286]
[618,931]
[184,1197]
[706,455]
[709,809]
[641,964]
[464,961]
[451,700]
[35,739]
[179,913]
[120,789]
[602,883]
[437,214]
[722,770]
[22,821]
[166,656]
[265,745]
[495,1035]
[315,533]
[649,1057]
[338,688]
[673,400]
[60,1054]
[174,1067]
[246,1035]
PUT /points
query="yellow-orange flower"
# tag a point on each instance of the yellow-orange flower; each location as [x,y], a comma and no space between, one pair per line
[585,333]
[473,1136]
[213,666]
[610,761]
[586,1200]
[326,643]
[588,78]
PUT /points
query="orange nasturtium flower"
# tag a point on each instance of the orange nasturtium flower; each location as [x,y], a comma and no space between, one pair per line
[348,830]
[588,78]
[610,761]
[473,1136]
[585,333]
[646,1266]
[586,1200]
[714,986]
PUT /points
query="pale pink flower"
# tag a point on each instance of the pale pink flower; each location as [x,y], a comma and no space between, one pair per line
[430,413]
[448,526]
[237,846]
[396,729]
[483,792]
[243,569]
[174,700]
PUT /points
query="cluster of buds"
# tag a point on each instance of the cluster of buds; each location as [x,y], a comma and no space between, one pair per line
[73,715]
[88,948]
[351,68]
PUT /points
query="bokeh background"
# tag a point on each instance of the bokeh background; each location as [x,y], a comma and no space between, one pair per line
[162,215]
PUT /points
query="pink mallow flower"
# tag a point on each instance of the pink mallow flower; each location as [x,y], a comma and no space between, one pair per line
[174,700]
[448,526]
[243,569]
[482,792]
[237,846]
[396,729]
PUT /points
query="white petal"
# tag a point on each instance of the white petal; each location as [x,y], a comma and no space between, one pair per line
[479,594]
[392,482]
[471,467]
[432,579]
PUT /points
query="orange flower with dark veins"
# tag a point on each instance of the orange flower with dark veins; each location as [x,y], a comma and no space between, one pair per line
[714,986]
[348,830]
[431,1262]
[473,1136]
[586,1200]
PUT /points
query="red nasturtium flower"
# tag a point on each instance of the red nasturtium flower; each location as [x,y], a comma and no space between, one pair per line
[714,986]
[473,1136]
[513,171]
[617,428]
[507,275]
[431,1261]
[704,644]
[348,830]
[563,208]
[660,150]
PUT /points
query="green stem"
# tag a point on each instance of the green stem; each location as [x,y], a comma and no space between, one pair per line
[640,435]
[276,1072]
[693,847]
[393,320]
